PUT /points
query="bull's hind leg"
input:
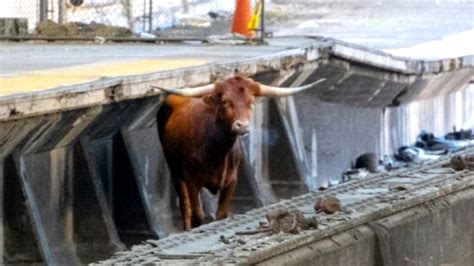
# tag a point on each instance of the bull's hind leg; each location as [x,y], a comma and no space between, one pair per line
[225,198]
[185,205]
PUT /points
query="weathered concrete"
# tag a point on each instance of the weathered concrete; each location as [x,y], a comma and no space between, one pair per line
[355,76]
[418,225]
[434,233]
[87,161]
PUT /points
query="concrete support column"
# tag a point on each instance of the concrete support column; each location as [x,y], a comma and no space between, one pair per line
[150,171]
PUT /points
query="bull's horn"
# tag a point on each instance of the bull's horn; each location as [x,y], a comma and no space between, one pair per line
[188,92]
[280,91]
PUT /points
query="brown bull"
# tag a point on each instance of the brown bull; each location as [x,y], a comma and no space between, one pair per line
[198,129]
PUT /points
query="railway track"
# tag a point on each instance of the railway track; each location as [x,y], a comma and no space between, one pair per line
[366,200]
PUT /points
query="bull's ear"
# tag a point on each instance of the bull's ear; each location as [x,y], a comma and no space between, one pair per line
[211,99]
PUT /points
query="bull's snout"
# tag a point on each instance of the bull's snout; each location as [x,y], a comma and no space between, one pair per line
[241,127]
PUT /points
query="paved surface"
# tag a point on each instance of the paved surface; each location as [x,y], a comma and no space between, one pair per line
[34,67]
[18,58]
[46,79]
[377,24]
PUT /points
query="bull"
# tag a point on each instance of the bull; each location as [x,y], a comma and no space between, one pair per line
[198,129]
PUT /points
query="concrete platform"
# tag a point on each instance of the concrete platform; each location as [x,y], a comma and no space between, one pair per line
[18,58]
[427,223]
[32,81]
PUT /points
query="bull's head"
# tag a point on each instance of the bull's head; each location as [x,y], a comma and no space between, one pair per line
[234,98]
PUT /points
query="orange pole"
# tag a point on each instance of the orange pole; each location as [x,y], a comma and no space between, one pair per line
[242,16]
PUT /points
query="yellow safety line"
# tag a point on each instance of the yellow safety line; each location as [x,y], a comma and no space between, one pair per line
[48,79]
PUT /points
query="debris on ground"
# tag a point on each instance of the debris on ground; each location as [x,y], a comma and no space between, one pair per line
[279,220]
[460,135]
[460,163]
[368,161]
[224,240]
[49,28]
[253,232]
[426,147]
[328,204]
[400,187]
[219,26]
[228,240]
[439,171]
[413,154]
[291,221]
[228,38]
[429,142]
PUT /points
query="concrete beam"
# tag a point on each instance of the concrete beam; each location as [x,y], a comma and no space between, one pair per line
[376,77]
[421,235]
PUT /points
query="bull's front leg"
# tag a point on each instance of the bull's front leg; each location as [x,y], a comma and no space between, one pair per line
[225,198]
[229,181]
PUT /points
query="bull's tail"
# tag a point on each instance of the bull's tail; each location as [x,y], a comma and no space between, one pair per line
[162,117]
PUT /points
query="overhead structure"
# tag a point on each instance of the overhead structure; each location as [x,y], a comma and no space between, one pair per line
[83,171]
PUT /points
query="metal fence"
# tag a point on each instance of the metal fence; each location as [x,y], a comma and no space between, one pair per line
[203,19]
[178,19]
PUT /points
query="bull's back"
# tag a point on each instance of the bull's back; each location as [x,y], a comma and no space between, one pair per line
[170,106]
[179,123]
